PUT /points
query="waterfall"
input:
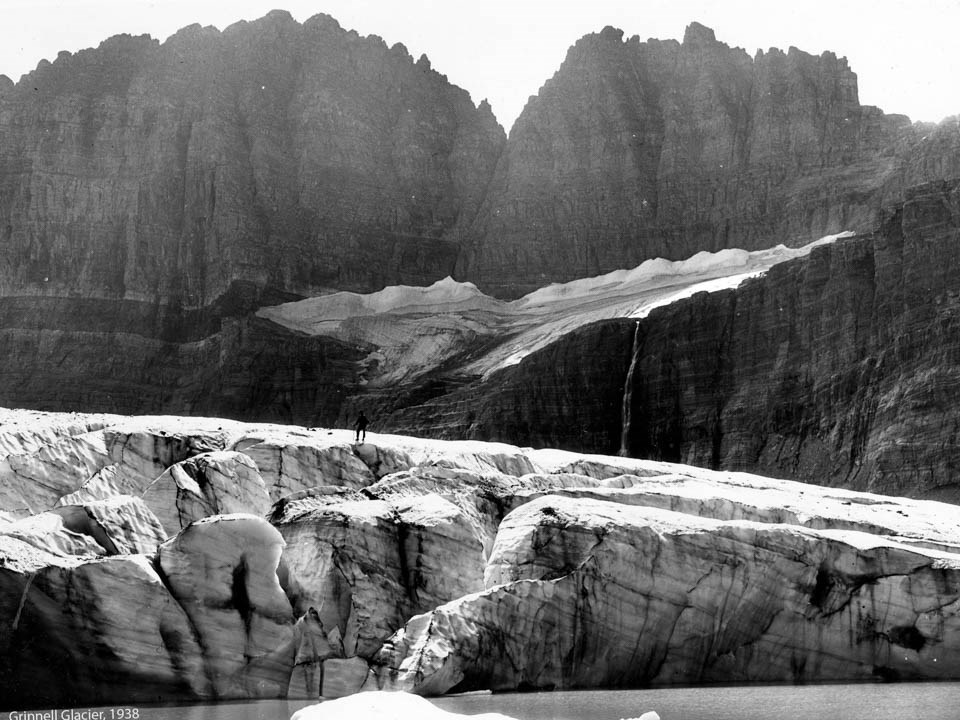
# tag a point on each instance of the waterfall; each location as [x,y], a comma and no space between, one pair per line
[628,396]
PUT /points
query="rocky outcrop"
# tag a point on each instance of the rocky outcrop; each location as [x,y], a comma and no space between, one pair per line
[433,566]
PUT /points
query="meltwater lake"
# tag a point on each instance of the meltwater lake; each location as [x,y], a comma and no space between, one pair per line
[894,701]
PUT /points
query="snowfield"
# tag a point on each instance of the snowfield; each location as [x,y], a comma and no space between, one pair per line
[413,330]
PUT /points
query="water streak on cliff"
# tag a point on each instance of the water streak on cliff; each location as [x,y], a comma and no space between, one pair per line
[628,395]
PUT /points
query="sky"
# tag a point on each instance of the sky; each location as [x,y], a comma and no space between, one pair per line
[904,52]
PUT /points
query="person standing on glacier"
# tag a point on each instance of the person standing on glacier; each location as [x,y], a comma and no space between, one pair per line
[361,426]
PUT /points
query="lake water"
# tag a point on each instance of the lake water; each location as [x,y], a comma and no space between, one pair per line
[916,701]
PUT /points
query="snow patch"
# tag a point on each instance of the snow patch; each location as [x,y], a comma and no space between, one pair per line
[317,313]
[414,330]
[709,286]
[704,263]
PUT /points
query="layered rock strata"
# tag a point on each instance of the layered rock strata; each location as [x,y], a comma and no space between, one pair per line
[434,566]
[649,149]
[839,368]
[282,155]
[164,186]
[249,368]
[152,196]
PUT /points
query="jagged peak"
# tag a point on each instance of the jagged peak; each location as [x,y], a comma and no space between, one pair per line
[611,33]
[322,21]
[697,34]
[121,44]
[830,57]
[591,45]
[188,31]
[192,33]
[238,26]
[125,39]
[401,50]
[608,36]
[276,21]
[795,54]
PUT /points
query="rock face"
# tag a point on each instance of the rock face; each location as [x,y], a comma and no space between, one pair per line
[838,368]
[293,157]
[152,196]
[167,186]
[432,566]
[568,394]
[247,368]
[661,149]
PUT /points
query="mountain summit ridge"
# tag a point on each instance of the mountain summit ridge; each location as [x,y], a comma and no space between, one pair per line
[649,149]
[297,157]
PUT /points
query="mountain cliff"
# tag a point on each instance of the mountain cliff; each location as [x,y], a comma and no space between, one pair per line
[293,157]
[660,149]
[301,158]
[152,195]
[839,368]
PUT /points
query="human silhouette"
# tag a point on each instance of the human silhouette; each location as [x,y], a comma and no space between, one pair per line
[361,426]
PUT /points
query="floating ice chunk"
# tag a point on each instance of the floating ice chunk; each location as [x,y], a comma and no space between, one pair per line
[386,706]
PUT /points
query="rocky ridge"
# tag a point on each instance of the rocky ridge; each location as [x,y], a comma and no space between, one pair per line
[276,561]
[273,154]
[635,150]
